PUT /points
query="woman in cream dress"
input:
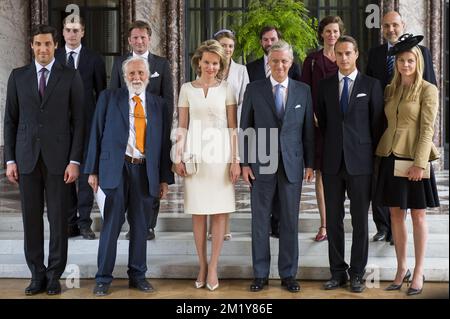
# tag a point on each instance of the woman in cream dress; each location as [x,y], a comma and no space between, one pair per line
[207,130]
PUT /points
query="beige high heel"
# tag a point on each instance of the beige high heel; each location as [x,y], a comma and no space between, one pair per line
[199,284]
[212,288]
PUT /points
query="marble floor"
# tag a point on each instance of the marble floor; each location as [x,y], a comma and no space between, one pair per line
[10,202]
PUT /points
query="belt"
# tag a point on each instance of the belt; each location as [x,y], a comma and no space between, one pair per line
[134,160]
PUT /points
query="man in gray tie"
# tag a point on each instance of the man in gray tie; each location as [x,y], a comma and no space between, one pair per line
[277,107]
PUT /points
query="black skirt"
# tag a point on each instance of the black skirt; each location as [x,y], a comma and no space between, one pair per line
[395,191]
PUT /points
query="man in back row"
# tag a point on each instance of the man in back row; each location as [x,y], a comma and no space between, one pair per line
[139,35]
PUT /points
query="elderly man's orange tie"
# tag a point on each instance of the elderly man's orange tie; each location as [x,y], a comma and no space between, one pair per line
[139,124]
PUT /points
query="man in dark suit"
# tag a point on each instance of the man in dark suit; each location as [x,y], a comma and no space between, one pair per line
[381,67]
[43,149]
[351,118]
[129,158]
[91,67]
[259,70]
[278,109]
[139,35]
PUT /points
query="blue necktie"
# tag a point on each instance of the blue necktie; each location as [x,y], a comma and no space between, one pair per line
[71,61]
[344,96]
[390,66]
[279,101]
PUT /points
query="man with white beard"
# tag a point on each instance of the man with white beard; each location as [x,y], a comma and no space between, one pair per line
[129,159]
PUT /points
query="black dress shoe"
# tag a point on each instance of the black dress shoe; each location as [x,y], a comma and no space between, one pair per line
[291,284]
[35,287]
[388,237]
[53,287]
[87,233]
[392,242]
[73,231]
[101,289]
[379,236]
[151,234]
[258,284]
[335,283]
[141,284]
[357,284]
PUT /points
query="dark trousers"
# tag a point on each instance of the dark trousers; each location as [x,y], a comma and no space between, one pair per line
[81,201]
[380,213]
[131,196]
[262,197]
[358,189]
[33,188]
[154,213]
[275,216]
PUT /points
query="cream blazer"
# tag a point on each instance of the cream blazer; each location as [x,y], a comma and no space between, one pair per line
[238,80]
[411,126]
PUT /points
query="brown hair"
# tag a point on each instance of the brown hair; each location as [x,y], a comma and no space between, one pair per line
[326,21]
[225,34]
[139,24]
[211,46]
[268,28]
[44,29]
[347,38]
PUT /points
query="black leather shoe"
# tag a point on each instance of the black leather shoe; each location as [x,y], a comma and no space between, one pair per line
[357,284]
[53,287]
[35,287]
[151,234]
[291,284]
[335,283]
[87,233]
[73,231]
[258,284]
[101,289]
[141,284]
[379,236]
[392,242]
[388,237]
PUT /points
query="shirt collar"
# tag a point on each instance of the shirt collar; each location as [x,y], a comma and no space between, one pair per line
[48,66]
[77,50]
[266,60]
[144,55]
[283,84]
[351,76]
[141,96]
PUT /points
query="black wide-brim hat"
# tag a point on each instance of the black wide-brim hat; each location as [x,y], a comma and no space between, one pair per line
[405,43]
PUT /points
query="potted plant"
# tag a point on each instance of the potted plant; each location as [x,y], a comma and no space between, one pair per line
[290,17]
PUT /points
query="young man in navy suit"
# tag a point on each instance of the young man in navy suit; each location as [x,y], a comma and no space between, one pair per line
[91,67]
[129,158]
[351,120]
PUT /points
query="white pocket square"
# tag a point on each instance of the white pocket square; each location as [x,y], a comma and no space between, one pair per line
[297,106]
[361,95]
[154,75]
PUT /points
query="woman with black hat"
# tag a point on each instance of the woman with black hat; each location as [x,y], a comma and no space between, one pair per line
[406,176]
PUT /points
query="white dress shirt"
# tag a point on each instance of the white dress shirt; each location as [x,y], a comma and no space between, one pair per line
[76,55]
[144,55]
[352,77]
[131,146]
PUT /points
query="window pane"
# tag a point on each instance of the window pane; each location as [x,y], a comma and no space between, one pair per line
[102,34]
[103,3]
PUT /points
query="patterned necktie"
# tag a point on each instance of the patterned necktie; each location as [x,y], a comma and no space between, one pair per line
[139,124]
[390,65]
[42,82]
[279,101]
[268,71]
[344,96]
[70,60]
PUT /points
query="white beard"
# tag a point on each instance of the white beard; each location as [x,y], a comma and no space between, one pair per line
[136,88]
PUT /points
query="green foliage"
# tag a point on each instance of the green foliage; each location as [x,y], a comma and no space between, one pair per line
[290,17]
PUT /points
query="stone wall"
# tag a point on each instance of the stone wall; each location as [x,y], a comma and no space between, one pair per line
[154,12]
[415,15]
[14,47]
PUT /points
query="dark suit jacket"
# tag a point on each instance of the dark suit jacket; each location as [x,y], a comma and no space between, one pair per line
[53,127]
[256,70]
[296,131]
[377,65]
[354,135]
[109,138]
[160,79]
[93,73]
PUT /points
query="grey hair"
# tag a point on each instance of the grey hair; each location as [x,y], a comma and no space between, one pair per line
[281,45]
[134,59]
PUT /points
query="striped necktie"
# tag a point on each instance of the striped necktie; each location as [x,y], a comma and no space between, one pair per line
[390,65]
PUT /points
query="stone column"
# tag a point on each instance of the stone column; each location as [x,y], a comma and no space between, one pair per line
[14,47]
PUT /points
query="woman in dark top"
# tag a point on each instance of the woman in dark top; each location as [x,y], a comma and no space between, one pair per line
[317,66]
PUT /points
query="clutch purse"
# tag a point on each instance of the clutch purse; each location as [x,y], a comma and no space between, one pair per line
[401,167]
[190,163]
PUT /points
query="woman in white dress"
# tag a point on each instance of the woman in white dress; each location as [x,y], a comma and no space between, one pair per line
[207,133]
[237,77]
